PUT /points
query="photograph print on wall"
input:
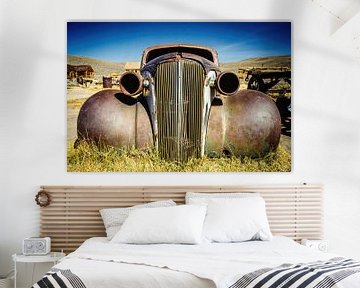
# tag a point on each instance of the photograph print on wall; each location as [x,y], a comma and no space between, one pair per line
[179,96]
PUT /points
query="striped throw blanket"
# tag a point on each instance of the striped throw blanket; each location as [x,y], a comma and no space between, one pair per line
[320,274]
[59,278]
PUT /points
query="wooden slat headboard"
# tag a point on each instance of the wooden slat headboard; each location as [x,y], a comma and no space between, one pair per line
[73,214]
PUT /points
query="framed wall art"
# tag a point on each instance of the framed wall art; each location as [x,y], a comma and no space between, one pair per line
[179,96]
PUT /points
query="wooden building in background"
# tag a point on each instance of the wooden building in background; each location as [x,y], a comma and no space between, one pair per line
[132,66]
[84,71]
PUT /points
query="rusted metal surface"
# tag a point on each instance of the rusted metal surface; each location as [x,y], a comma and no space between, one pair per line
[227,83]
[171,91]
[107,82]
[253,124]
[180,105]
[158,50]
[173,107]
[131,83]
[245,124]
[171,57]
[112,118]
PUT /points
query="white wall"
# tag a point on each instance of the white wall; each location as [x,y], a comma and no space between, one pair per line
[326,104]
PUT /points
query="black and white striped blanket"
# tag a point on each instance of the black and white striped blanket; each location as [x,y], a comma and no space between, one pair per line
[59,278]
[320,274]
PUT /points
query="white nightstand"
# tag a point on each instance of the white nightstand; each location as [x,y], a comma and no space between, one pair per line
[53,257]
[320,245]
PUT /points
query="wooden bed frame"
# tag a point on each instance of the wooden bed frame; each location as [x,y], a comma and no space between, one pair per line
[73,214]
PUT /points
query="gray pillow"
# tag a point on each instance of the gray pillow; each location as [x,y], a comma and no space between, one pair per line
[204,198]
[113,218]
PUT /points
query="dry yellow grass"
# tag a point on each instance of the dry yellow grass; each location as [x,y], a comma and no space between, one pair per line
[75,103]
[89,158]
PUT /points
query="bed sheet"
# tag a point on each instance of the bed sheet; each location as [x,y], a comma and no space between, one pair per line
[100,263]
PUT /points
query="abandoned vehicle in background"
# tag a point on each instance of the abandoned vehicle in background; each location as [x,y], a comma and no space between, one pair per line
[184,106]
[265,80]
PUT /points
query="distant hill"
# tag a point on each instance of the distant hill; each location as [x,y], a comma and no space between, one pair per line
[102,67]
[259,62]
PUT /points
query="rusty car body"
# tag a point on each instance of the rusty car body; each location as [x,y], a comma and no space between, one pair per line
[182,105]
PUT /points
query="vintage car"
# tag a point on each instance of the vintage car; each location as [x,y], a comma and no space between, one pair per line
[184,106]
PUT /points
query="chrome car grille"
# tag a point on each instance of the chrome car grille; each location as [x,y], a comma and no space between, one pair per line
[179,97]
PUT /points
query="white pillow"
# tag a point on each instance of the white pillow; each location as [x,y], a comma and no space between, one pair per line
[180,224]
[236,220]
[113,218]
[204,198]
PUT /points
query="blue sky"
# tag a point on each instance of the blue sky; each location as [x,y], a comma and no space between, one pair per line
[125,41]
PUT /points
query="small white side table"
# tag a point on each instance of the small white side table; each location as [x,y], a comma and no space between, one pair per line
[53,257]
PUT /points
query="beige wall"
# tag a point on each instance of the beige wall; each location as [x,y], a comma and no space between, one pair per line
[326,104]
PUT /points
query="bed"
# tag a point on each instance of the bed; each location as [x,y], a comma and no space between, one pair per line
[294,211]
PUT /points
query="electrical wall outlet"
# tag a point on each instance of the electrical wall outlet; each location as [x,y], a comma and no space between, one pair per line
[320,245]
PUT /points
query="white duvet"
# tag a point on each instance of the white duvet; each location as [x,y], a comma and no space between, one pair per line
[100,263]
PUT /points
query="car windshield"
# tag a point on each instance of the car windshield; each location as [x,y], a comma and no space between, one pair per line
[152,54]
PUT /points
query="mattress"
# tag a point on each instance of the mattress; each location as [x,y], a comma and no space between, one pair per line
[99,263]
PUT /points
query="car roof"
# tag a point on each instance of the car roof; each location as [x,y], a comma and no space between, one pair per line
[203,51]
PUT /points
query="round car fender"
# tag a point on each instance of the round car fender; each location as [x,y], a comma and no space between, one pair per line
[112,118]
[252,124]
[245,124]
